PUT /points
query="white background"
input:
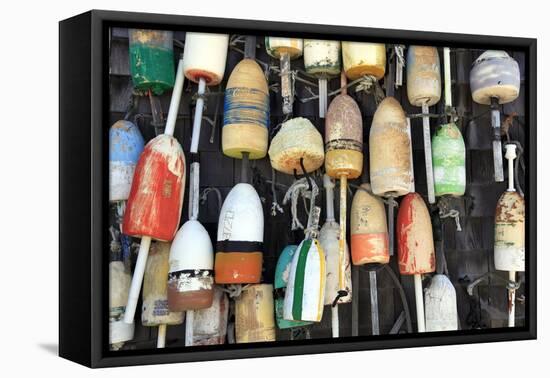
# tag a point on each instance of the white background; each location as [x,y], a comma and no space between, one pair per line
[29,185]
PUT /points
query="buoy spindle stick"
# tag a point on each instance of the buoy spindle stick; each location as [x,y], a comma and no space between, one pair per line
[335,321]
[137,280]
[322,97]
[342,241]
[391,224]
[428,152]
[512,300]
[374,302]
[189,318]
[419,303]
[497,145]
[286,85]
[198,116]
[161,338]
[175,100]
[510,156]
[447,77]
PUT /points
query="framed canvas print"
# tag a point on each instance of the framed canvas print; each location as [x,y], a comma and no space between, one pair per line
[234,188]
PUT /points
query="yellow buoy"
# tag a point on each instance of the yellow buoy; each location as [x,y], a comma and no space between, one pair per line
[246,112]
[297,139]
[362,59]
[255,314]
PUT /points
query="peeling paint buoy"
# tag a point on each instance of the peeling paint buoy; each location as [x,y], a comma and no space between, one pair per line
[240,237]
[254,315]
[246,112]
[210,324]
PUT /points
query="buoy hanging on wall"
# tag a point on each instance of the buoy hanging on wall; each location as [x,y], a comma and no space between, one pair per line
[240,237]
[285,49]
[424,90]
[322,60]
[254,314]
[246,112]
[151,60]
[441,311]
[210,324]
[154,310]
[449,161]
[415,246]
[495,80]
[362,59]
[369,230]
[297,139]
[282,273]
[125,147]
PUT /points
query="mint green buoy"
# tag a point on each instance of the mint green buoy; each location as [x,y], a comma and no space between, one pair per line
[449,157]
[151,60]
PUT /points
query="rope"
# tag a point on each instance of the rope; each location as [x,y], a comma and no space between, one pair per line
[400,54]
[275,207]
[204,196]
[300,188]
[369,84]
[234,290]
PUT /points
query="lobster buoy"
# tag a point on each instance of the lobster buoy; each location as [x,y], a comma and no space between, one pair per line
[155,310]
[191,274]
[361,59]
[415,246]
[204,57]
[151,60]
[494,74]
[441,311]
[210,324]
[254,315]
[423,76]
[322,60]
[449,161]
[125,147]
[246,112]
[510,233]
[120,277]
[369,230]
[305,292]
[240,237]
[391,166]
[282,273]
[156,197]
[297,139]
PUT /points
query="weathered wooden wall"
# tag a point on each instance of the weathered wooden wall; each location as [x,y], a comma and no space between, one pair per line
[469,253]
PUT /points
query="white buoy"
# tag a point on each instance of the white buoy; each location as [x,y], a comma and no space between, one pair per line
[440,305]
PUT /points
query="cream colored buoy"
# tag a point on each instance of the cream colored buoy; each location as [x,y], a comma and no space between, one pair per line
[240,237]
[322,60]
[297,139]
[362,59]
[285,49]
[154,309]
[369,230]
[210,324]
[440,302]
[120,277]
[246,112]
[254,314]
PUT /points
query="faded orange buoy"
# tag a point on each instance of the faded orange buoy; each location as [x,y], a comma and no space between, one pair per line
[246,112]
[415,243]
[297,139]
[369,231]
[255,314]
[362,59]
[391,169]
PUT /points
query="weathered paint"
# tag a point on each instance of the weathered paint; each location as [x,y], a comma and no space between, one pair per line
[494,74]
[119,286]
[362,59]
[510,233]
[151,60]
[254,314]
[423,75]
[449,161]
[240,237]
[305,293]
[155,201]
[441,307]
[154,309]
[391,169]
[322,58]
[297,139]
[282,273]
[329,238]
[125,147]
[191,273]
[369,230]
[415,245]
[204,57]
[246,112]
[210,324]
[344,138]
[276,47]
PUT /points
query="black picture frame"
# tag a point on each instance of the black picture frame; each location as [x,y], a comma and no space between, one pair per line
[83,147]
